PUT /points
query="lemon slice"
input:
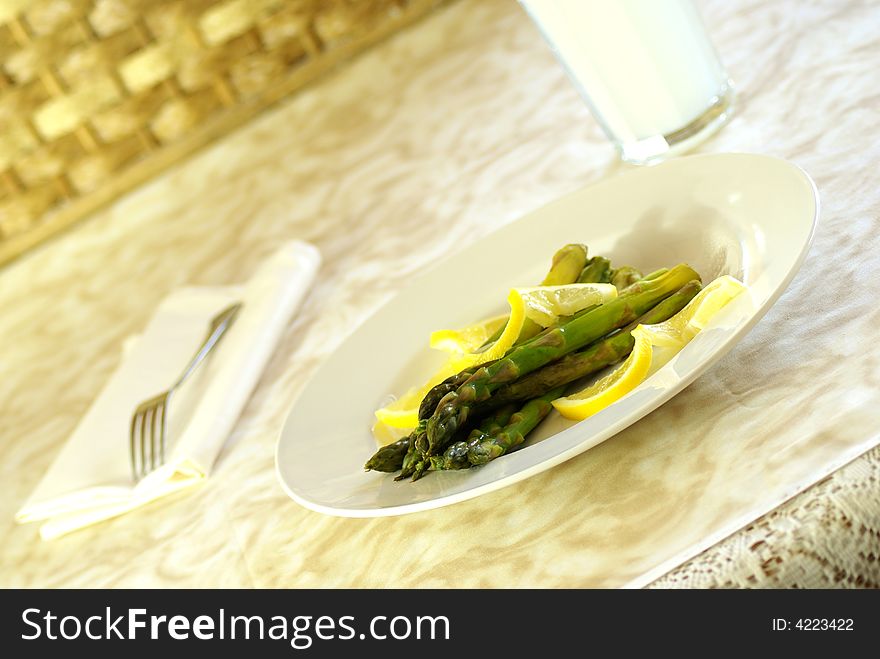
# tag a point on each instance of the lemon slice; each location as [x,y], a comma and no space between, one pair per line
[668,337]
[684,326]
[544,304]
[468,339]
[403,413]
[613,386]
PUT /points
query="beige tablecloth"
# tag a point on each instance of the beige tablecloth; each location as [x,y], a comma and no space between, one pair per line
[427,143]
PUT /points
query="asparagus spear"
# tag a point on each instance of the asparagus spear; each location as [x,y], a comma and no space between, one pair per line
[453,409]
[397,455]
[481,447]
[521,424]
[389,458]
[624,276]
[596,271]
[656,273]
[593,358]
[413,454]
[436,393]
[456,456]
[567,264]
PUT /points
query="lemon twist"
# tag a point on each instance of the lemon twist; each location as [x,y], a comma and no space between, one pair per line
[671,335]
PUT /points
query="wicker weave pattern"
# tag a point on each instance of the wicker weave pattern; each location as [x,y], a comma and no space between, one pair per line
[97,95]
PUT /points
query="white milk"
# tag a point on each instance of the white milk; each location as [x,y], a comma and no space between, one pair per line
[646,67]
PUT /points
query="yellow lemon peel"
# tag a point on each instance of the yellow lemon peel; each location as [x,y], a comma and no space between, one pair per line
[684,326]
[613,386]
[669,336]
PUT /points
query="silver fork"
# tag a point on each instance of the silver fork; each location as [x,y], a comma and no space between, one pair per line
[150,421]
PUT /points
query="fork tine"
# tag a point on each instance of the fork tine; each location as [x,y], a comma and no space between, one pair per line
[154,434]
[163,424]
[145,419]
[150,442]
[133,448]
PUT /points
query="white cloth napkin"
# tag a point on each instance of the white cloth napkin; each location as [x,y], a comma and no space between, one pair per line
[90,479]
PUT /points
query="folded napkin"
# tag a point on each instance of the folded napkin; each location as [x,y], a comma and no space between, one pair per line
[90,479]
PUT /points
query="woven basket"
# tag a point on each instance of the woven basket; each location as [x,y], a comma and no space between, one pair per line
[96,96]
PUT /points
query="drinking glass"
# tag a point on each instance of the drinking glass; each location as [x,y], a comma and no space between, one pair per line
[646,69]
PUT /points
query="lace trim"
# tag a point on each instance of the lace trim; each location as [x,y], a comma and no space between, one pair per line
[826,537]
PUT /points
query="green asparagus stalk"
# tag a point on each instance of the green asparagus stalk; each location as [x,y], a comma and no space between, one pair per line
[481,447]
[453,409]
[529,329]
[413,455]
[436,393]
[656,273]
[593,358]
[456,456]
[566,266]
[625,276]
[514,433]
[596,271]
[389,458]
[494,422]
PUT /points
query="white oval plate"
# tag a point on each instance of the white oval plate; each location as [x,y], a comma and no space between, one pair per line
[746,215]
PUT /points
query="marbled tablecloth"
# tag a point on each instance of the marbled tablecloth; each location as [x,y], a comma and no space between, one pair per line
[428,142]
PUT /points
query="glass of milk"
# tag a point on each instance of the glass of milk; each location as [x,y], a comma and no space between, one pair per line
[646,69]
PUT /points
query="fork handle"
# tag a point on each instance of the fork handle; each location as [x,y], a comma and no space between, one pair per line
[220,323]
